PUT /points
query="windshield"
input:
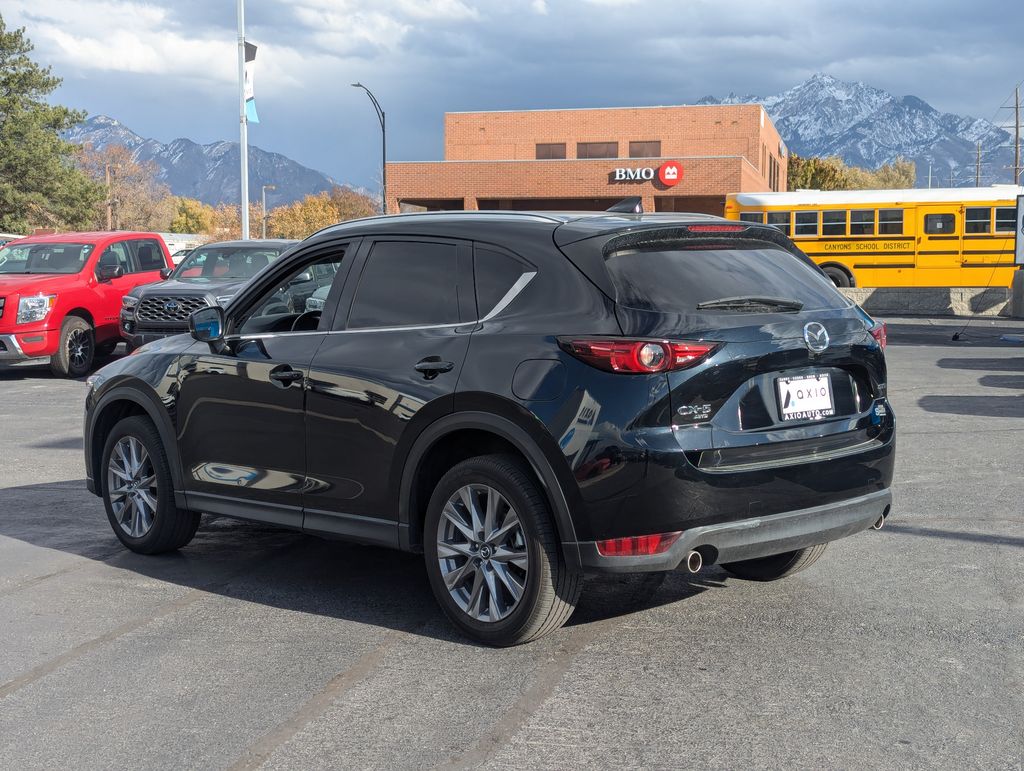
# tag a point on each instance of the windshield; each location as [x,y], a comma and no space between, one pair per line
[692,280]
[44,258]
[219,263]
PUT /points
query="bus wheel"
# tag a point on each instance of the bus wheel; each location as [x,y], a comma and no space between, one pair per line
[839,276]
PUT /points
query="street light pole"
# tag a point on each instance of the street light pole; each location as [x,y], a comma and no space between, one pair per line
[263,195]
[383,145]
[243,130]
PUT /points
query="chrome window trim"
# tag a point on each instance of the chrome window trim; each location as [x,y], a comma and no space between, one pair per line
[510,295]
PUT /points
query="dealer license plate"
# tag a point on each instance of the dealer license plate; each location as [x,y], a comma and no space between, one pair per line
[808,397]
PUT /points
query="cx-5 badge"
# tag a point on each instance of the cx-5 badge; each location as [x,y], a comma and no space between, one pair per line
[815,336]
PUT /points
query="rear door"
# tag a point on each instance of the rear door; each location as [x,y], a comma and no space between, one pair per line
[939,245]
[399,341]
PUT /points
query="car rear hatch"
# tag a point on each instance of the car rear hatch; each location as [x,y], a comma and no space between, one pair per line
[795,374]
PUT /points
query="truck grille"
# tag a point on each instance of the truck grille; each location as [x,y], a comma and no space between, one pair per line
[2,301]
[168,307]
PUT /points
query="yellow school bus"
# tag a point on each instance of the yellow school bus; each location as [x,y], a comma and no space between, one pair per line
[874,238]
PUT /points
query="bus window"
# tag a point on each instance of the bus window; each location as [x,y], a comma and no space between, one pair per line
[939,224]
[833,223]
[779,219]
[806,223]
[978,220]
[862,222]
[752,216]
[1006,219]
[890,222]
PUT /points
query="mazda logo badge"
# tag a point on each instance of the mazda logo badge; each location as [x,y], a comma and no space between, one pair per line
[816,337]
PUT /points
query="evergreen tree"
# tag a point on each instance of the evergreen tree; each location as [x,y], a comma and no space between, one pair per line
[39,183]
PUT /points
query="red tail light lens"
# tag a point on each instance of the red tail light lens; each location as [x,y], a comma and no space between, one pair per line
[716,228]
[637,356]
[881,334]
[637,545]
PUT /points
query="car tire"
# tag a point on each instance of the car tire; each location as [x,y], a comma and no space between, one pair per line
[548,589]
[838,276]
[144,517]
[76,349]
[777,565]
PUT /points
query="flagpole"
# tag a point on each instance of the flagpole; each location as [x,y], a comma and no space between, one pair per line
[243,124]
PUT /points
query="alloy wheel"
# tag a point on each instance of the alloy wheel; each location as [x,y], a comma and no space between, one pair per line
[481,548]
[132,486]
[79,345]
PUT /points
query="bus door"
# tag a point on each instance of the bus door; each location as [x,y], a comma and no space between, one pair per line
[939,247]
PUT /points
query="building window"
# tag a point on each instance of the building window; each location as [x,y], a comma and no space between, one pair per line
[890,222]
[550,151]
[597,149]
[752,216]
[940,224]
[833,223]
[779,219]
[806,223]
[978,219]
[1006,219]
[645,149]
[862,222]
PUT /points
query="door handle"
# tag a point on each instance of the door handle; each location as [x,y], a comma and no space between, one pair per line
[432,366]
[285,376]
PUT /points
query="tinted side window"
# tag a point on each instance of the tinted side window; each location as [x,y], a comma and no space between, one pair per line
[117,254]
[806,223]
[752,216]
[862,222]
[779,219]
[1006,219]
[890,222]
[148,255]
[495,273]
[833,223]
[405,283]
[939,224]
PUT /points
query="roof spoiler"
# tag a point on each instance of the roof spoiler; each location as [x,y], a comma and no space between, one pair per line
[632,205]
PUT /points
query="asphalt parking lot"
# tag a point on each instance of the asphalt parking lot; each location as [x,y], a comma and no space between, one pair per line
[257,647]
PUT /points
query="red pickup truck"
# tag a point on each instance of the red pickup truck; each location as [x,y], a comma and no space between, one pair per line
[60,295]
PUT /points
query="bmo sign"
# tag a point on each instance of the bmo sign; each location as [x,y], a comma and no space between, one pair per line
[670,173]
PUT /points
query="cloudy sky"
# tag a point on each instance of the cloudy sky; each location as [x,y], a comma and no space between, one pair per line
[168,68]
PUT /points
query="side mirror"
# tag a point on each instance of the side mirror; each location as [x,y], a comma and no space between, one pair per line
[165,273]
[207,324]
[303,278]
[109,272]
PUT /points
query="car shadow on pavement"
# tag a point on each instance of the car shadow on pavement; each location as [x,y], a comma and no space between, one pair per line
[1000,364]
[257,563]
[980,406]
[934,532]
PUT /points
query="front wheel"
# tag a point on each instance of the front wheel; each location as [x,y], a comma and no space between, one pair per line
[777,565]
[493,556]
[138,490]
[76,349]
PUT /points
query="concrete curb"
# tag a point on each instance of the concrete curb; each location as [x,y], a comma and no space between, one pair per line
[941,301]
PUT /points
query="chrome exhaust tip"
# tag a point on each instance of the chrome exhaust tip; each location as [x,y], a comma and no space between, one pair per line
[694,562]
[879,523]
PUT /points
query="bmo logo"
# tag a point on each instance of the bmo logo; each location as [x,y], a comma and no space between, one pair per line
[669,174]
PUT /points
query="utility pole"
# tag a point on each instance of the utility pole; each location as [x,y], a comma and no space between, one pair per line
[977,168]
[929,175]
[243,130]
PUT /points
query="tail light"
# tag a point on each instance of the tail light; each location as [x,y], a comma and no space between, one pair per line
[614,354]
[637,545]
[880,333]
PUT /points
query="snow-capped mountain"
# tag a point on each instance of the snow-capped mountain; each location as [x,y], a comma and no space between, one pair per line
[207,172]
[867,126]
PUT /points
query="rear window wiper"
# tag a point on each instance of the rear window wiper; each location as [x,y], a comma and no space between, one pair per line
[751,304]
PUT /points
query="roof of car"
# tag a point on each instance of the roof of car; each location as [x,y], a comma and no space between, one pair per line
[572,226]
[84,236]
[253,242]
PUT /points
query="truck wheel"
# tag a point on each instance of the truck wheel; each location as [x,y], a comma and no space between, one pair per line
[777,565]
[76,349]
[493,556]
[138,490]
[839,276]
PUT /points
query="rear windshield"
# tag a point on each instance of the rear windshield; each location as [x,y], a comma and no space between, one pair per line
[678,279]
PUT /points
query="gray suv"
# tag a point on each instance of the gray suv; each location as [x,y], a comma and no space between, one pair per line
[210,275]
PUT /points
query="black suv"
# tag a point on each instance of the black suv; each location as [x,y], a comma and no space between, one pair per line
[210,275]
[524,398]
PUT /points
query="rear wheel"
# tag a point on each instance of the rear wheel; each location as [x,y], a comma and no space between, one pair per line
[493,555]
[777,565]
[839,276]
[138,491]
[76,349]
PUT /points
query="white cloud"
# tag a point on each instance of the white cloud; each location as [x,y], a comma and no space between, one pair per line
[540,6]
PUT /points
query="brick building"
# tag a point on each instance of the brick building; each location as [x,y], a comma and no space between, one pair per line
[675,158]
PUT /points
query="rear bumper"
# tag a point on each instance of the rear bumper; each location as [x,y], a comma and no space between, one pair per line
[754,537]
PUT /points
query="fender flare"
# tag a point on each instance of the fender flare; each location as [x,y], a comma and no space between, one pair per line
[517,437]
[156,412]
